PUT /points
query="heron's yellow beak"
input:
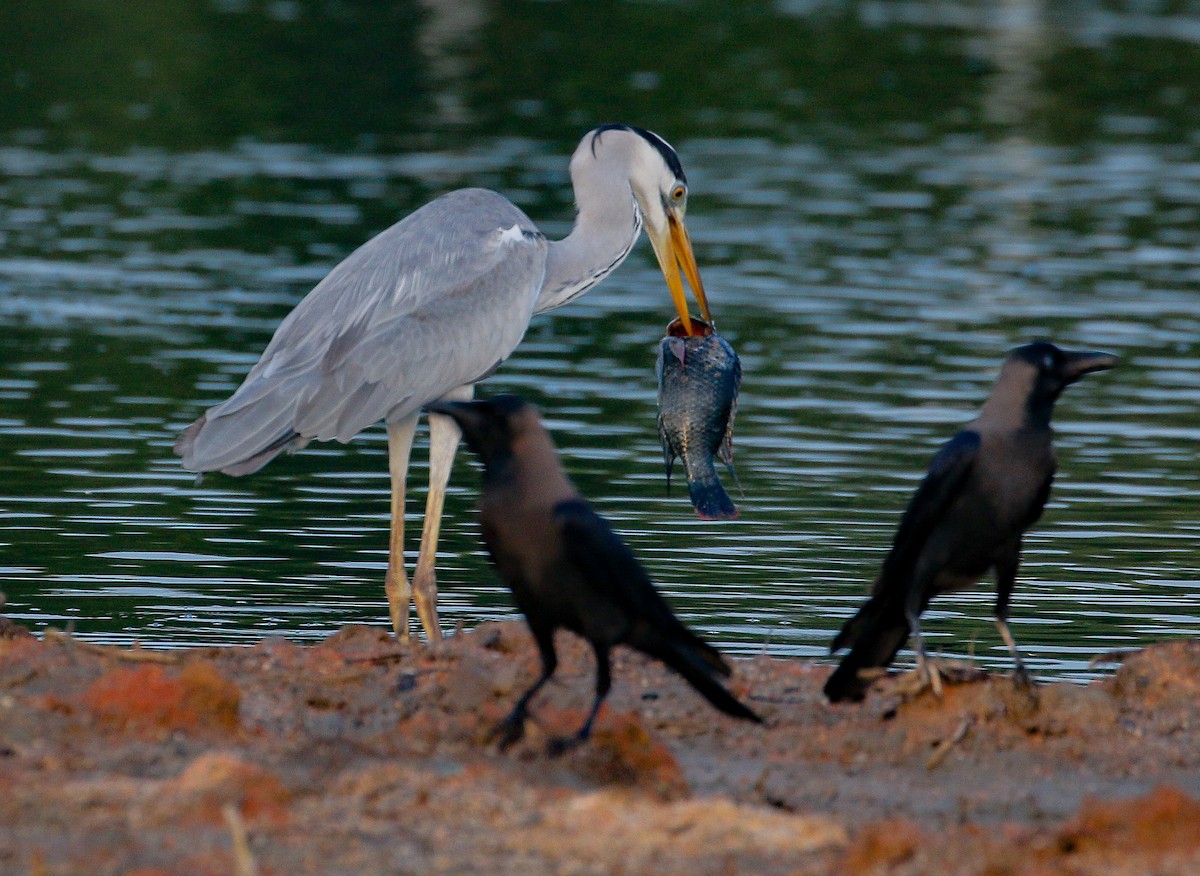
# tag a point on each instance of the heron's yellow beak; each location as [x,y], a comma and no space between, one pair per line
[674,252]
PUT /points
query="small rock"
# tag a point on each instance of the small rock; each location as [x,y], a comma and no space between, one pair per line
[621,751]
[150,698]
[881,846]
[359,641]
[8,629]
[1063,708]
[1164,819]
[1161,673]
[213,780]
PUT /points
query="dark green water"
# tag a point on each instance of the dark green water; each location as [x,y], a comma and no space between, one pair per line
[884,198]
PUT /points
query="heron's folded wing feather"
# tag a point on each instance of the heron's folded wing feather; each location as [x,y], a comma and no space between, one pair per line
[427,305]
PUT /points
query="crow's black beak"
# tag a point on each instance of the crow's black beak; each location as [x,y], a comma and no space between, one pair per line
[460,412]
[1079,363]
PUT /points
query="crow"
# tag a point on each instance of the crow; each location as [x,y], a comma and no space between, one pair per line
[566,567]
[985,488]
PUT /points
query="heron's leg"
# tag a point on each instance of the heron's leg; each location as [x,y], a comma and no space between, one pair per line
[399,593]
[444,436]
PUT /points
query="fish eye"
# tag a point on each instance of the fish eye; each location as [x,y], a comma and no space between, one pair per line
[1048,363]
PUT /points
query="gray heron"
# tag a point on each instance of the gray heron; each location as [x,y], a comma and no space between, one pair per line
[428,308]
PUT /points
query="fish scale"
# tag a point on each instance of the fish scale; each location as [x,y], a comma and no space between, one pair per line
[698,381]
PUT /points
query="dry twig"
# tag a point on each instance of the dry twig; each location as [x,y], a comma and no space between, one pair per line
[942,750]
[243,858]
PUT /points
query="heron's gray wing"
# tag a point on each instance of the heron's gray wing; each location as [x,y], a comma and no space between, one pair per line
[432,303]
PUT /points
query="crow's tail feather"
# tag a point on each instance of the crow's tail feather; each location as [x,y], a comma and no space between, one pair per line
[698,669]
[874,636]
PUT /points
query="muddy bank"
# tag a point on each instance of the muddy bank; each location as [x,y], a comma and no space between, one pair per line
[358,755]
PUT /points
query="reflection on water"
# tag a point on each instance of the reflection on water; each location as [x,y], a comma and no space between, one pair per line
[871,278]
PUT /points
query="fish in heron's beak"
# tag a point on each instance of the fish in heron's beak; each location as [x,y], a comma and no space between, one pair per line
[698,380]
[673,248]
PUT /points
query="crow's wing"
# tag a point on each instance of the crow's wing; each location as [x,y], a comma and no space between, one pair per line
[947,473]
[606,564]
[1039,502]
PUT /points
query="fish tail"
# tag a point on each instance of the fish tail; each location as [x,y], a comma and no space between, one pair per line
[711,501]
[708,496]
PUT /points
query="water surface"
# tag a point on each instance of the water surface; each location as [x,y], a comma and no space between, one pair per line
[885,198]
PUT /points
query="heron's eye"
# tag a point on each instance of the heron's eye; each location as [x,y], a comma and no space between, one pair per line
[678,194]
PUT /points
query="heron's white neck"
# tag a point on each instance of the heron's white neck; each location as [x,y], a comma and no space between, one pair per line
[606,228]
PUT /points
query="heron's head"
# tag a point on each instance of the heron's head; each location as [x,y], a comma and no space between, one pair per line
[660,188]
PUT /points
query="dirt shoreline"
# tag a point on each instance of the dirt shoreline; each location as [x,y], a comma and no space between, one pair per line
[359,755]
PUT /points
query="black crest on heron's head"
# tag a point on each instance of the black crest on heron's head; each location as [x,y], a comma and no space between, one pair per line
[660,145]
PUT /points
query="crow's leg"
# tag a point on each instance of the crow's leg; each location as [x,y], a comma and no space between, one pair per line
[927,669]
[603,685]
[512,728]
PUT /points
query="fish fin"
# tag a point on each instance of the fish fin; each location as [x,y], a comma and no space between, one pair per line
[725,451]
[668,455]
[733,474]
[679,348]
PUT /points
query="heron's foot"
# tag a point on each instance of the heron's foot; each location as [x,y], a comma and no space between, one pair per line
[1022,702]
[510,731]
[399,597]
[424,591]
[925,677]
[935,675]
[399,625]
